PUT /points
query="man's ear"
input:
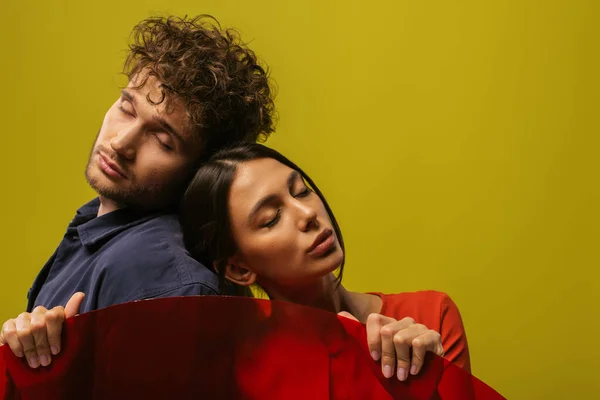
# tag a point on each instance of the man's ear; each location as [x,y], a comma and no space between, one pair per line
[237,273]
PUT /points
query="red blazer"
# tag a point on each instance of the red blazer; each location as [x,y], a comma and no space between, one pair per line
[215,347]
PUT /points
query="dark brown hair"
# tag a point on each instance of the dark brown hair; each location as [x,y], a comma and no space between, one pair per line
[205,209]
[227,94]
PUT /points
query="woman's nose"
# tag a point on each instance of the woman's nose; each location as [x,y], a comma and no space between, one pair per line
[308,217]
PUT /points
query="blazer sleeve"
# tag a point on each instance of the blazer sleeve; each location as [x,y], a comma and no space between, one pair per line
[453,334]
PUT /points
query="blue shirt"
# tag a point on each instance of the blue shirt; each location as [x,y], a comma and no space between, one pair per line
[121,256]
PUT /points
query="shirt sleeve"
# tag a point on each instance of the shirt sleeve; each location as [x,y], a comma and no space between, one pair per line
[454,338]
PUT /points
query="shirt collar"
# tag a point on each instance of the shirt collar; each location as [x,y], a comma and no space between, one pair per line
[94,230]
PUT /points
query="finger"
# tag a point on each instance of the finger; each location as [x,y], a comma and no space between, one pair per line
[374,324]
[26,339]
[428,341]
[9,336]
[348,315]
[2,340]
[402,344]
[74,304]
[54,324]
[389,348]
[402,348]
[404,323]
[40,335]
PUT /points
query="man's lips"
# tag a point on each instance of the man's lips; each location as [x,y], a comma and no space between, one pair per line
[110,167]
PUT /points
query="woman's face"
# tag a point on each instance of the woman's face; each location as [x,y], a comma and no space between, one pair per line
[281,228]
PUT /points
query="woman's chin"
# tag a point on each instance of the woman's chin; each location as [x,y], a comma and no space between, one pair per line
[334,261]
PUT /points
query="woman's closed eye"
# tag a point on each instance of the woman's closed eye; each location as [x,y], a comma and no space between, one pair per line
[305,192]
[271,223]
[302,191]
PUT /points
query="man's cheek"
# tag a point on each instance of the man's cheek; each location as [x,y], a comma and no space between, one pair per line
[156,176]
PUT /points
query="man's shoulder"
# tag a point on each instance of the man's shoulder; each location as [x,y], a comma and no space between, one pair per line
[154,250]
[162,225]
[159,236]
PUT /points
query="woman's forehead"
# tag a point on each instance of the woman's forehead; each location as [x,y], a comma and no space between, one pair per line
[256,179]
[261,172]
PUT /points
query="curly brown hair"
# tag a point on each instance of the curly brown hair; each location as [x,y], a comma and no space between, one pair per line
[227,94]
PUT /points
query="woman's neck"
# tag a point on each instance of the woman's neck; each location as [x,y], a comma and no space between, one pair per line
[328,295]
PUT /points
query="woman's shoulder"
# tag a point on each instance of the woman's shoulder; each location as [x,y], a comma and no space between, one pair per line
[418,298]
[424,306]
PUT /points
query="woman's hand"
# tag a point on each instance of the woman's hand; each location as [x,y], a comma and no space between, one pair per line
[393,341]
[37,335]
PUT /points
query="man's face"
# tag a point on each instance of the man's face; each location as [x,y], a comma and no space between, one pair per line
[143,154]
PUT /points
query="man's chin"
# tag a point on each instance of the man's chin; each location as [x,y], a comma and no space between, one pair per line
[105,188]
[100,184]
[133,199]
[136,197]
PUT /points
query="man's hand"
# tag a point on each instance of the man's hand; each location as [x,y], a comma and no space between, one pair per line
[392,342]
[37,335]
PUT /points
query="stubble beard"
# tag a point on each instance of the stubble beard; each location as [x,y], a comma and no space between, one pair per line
[149,197]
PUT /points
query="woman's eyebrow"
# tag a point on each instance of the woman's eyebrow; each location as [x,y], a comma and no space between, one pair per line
[292,178]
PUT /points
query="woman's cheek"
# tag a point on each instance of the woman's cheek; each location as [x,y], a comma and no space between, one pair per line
[279,250]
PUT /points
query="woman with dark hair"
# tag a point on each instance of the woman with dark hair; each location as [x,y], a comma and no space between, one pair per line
[258,219]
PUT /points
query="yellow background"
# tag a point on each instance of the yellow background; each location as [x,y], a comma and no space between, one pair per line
[456,140]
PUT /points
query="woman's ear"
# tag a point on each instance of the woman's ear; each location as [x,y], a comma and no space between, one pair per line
[236,273]
[215,267]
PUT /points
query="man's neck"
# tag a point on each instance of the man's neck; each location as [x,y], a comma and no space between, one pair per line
[106,206]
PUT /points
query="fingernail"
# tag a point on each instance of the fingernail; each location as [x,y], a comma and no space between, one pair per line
[387,371]
[54,350]
[401,374]
[375,354]
[413,370]
[44,360]
[34,362]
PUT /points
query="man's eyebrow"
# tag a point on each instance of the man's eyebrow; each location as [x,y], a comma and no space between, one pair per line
[128,96]
[272,198]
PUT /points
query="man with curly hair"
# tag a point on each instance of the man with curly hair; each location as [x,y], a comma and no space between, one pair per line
[194,88]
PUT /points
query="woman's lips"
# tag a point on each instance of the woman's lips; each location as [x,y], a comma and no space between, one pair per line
[322,244]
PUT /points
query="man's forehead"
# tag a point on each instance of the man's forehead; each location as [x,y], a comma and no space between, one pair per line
[151,88]
[148,88]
